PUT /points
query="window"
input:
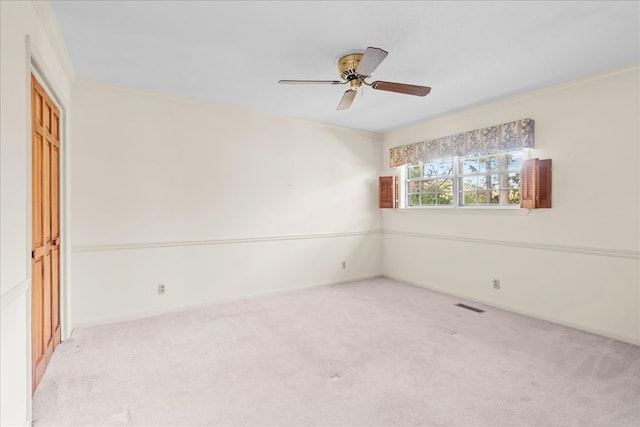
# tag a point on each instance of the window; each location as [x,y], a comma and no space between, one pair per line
[431,183]
[485,179]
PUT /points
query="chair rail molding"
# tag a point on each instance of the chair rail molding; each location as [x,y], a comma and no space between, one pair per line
[227,241]
[617,253]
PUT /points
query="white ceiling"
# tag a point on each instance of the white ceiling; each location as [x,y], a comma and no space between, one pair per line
[469,52]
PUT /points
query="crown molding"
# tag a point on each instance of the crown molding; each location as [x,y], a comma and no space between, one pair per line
[50,24]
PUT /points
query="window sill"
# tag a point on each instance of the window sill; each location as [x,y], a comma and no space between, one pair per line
[466,210]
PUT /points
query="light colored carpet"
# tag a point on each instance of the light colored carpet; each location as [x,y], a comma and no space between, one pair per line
[369,353]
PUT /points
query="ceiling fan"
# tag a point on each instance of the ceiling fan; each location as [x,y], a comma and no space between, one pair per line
[355,68]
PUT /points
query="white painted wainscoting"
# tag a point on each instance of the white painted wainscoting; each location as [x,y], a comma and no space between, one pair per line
[119,282]
[593,289]
[15,354]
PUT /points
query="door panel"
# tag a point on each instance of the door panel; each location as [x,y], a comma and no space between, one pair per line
[55,193]
[46,306]
[55,295]
[37,321]
[55,226]
[38,148]
[45,274]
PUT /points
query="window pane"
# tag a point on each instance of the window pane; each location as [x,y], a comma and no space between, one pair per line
[414,187]
[445,167]
[445,198]
[495,198]
[503,180]
[488,164]
[484,197]
[488,182]
[428,199]
[430,169]
[414,200]
[514,180]
[470,197]
[514,160]
[445,185]
[470,183]
[429,186]
[414,171]
[470,166]
[514,197]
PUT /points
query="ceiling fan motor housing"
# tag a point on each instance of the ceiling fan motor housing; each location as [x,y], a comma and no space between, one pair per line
[347,65]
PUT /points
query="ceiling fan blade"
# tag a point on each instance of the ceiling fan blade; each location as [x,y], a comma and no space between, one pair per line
[372,57]
[401,88]
[347,99]
[311,82]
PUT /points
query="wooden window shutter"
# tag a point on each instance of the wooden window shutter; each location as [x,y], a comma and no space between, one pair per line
[535,184]
[388,191]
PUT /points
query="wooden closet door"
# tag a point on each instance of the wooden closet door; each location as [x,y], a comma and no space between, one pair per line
[45,249]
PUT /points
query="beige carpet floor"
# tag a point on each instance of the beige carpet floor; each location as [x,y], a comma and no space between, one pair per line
[369,353]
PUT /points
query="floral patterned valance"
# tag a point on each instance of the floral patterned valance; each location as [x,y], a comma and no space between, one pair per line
[507,136]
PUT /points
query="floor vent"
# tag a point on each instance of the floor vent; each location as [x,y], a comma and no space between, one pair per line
[468,307]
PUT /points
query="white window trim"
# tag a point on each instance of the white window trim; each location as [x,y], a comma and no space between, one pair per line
[486,209]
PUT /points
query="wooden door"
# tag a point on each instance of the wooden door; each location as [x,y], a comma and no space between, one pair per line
[45,248]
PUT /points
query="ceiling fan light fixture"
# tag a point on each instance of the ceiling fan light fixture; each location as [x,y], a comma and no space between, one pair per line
[354,68]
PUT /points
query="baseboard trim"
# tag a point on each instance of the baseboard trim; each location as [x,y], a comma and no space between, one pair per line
[240,240]
[516,310]
[14,293]
[616,253]
[219,301]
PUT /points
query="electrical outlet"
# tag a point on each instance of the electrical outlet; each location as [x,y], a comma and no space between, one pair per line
[161,289]
[344,264]
[496,283]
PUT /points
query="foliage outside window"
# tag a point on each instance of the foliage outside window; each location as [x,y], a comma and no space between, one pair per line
[484,179]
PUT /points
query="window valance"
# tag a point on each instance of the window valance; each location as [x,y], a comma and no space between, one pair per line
[507,136]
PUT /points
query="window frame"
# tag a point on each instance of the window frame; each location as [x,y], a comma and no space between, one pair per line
[457,177]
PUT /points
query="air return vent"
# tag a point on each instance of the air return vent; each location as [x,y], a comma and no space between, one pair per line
[468,307]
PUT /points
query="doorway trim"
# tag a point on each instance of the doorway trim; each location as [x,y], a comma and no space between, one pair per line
[36,66]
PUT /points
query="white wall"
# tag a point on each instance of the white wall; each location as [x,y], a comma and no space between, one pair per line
[168,190]
[20,19]
[216,202]
[576,263]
